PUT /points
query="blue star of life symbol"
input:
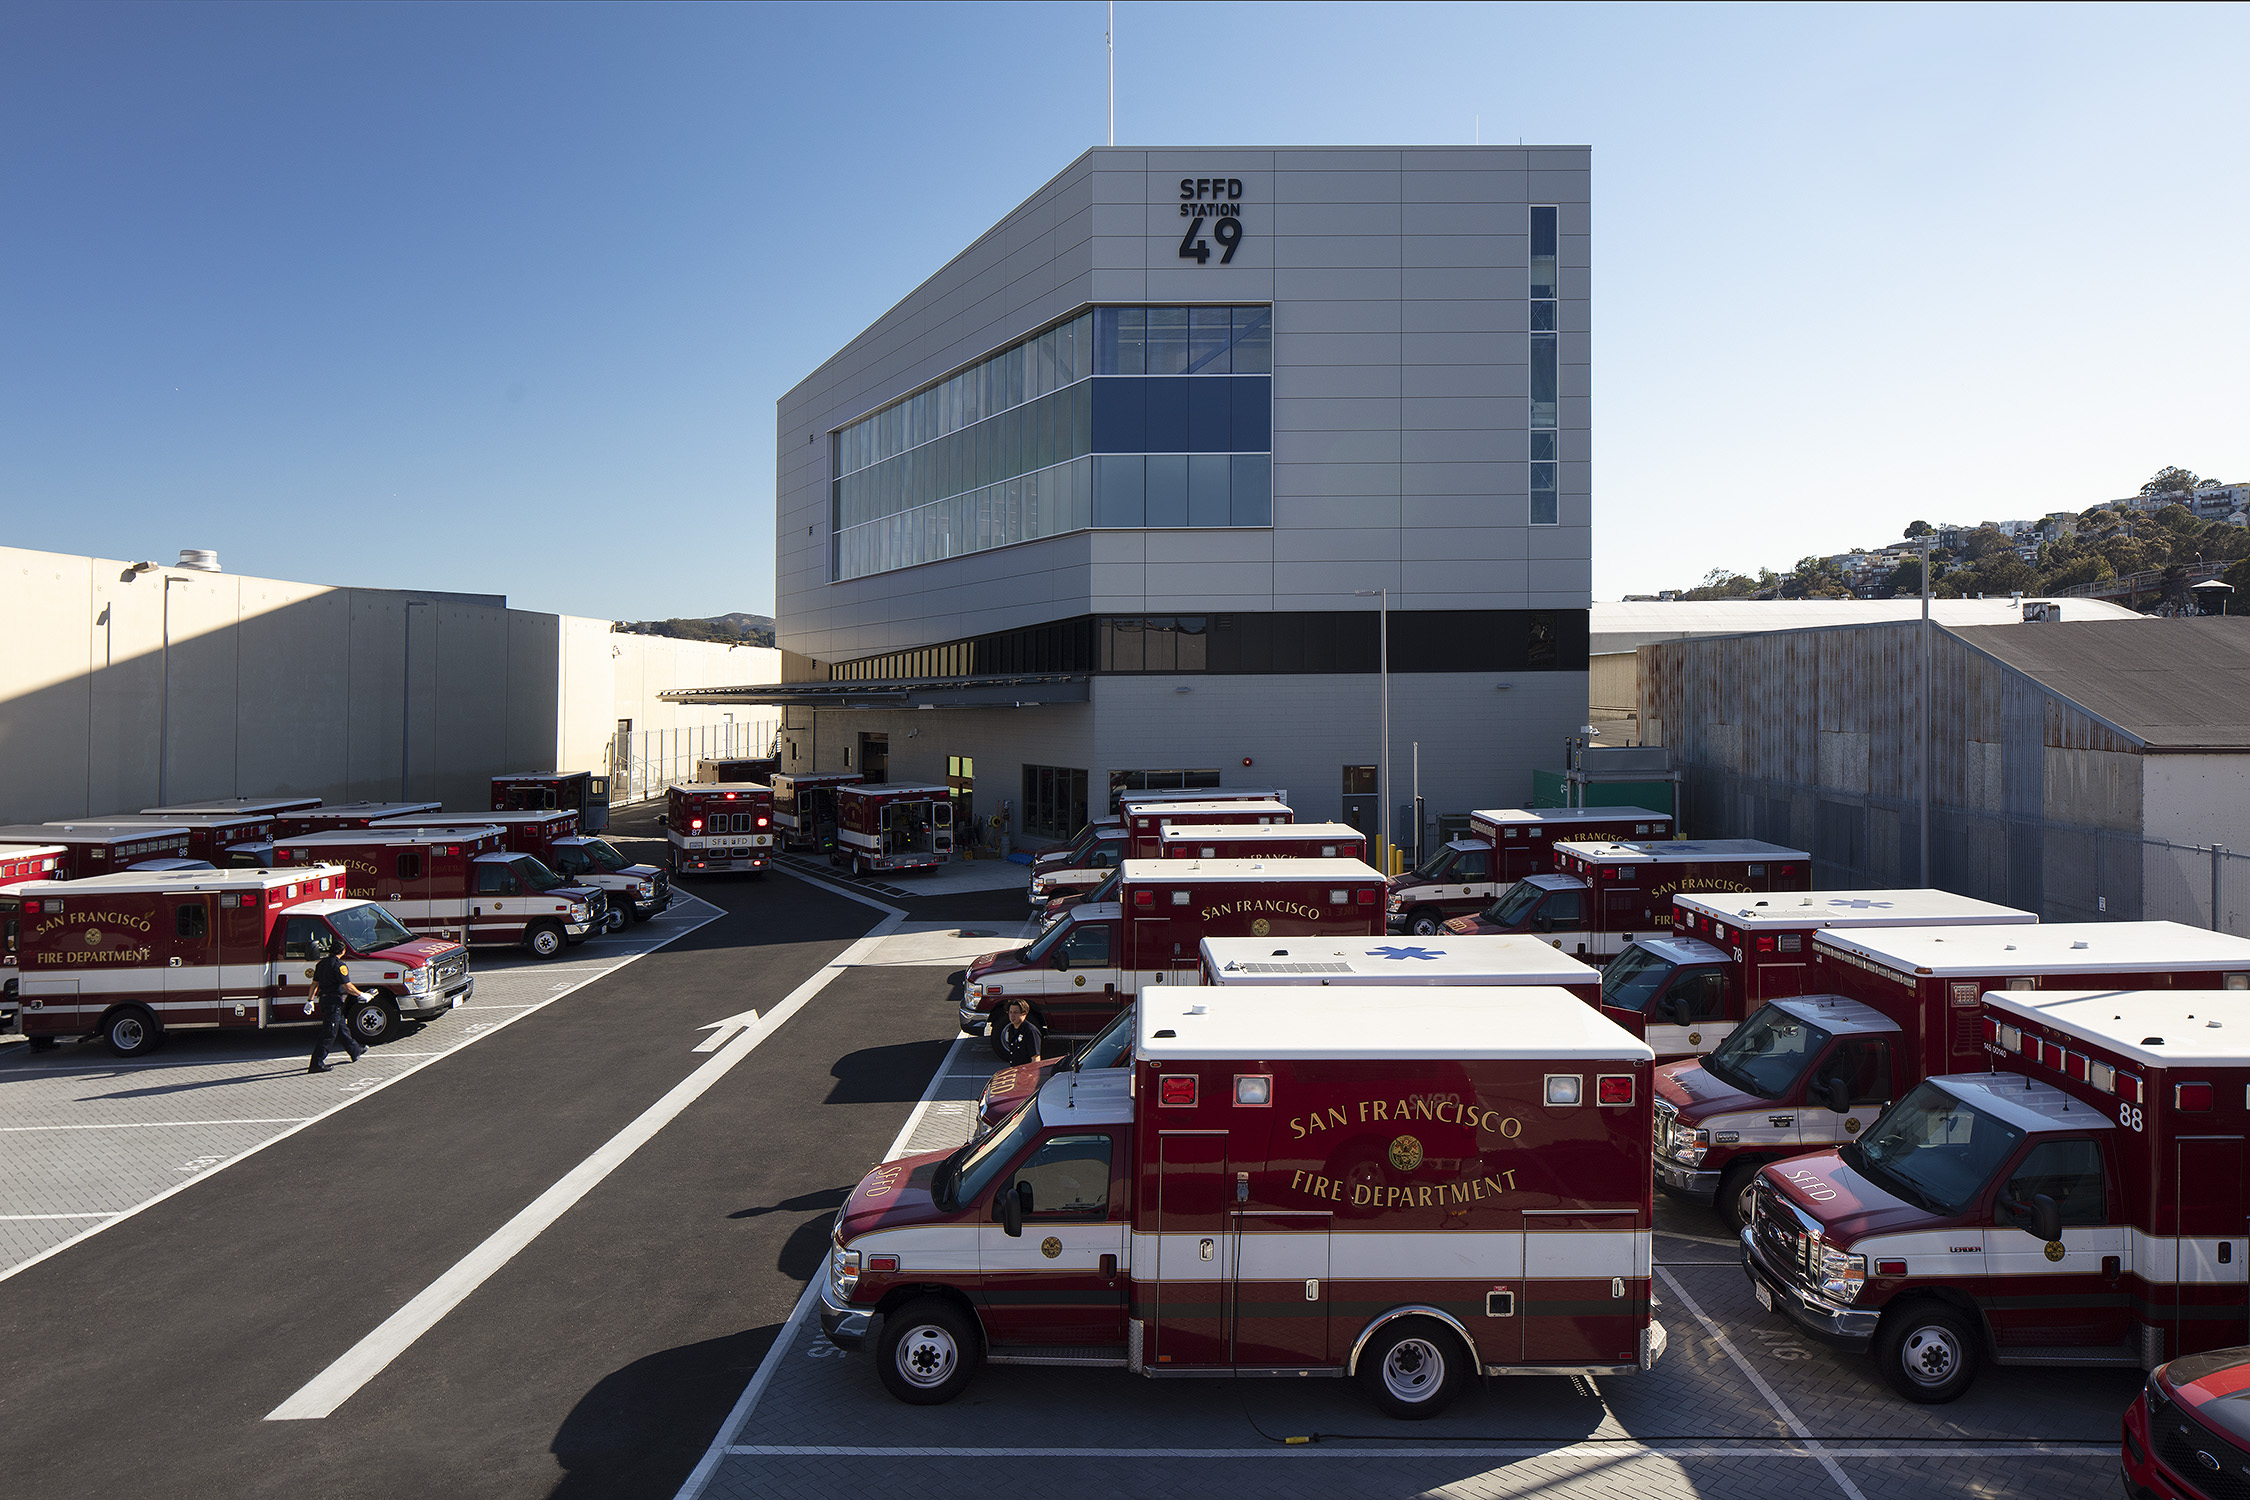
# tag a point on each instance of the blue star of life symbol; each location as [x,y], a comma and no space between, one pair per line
[1401,953]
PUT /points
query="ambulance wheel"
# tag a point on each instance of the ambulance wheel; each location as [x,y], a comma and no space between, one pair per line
[1927,1351]
[131,1032]
[1425,923]
[545,940]
[1413,1368]
[375,1019]
[929,1352]
[1733,1200]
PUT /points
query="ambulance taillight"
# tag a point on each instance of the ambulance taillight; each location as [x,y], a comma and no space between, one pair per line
[2191,1098]
[1176,1088]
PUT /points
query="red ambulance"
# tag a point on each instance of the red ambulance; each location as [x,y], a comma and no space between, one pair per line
[268,807]
[1057,881]
[1112,825]
[1504,845]
[1145,823]
[1181,1217]
[463,886]
[635,892]
[19,864]
[1089,965]
[1602,896]
[1261,841]
[128,957]
[236,840]
[2076,1202]
[93,847]
[804,808]
[583,792]
[1728,955]
[892,827]
[1892,1006]
[715,828]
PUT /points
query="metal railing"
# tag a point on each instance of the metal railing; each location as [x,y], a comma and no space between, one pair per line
[2133,585]
[643,763]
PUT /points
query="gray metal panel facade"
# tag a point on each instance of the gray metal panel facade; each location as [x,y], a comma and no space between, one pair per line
[1400,452]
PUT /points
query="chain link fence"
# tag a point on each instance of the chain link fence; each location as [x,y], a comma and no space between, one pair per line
[2196,884]
[642,763]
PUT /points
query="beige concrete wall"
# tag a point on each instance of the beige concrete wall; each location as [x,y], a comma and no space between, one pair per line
[120,690]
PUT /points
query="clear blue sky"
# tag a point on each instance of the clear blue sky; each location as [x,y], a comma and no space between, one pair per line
[499,298]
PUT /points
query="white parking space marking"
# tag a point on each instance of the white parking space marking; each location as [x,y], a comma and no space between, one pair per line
[55,1194]
[1743,1448]
[368,1358]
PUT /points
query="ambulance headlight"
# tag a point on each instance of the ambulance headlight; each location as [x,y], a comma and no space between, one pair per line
[843,1272]
[1689,1146]
[578,911]
[644,888]
[418,979]
[1841,1275]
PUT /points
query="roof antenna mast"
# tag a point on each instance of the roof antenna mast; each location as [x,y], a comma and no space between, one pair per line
[1109,43]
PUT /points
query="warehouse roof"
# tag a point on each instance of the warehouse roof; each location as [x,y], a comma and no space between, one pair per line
[2171,684]
[1621,627]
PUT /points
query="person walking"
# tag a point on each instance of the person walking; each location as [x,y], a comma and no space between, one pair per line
[1017,1042]
[332,982]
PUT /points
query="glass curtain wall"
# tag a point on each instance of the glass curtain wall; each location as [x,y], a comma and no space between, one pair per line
[1546,373]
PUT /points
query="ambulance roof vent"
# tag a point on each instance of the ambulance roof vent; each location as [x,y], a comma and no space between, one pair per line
[2081,943]
[201,559]
[1195,1010]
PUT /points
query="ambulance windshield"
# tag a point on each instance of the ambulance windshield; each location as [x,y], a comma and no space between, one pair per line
[535,874]
[368,929]
[965,1178]
[1932,1149]
[1434,868]
[1765,1055]
[1514,905]
[1112,1046]
[595,854]
[1633,978]
[1038,951]
[1107,890]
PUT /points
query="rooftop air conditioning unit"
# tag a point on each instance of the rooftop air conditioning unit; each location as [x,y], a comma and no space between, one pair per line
[201,559]
[2042,611]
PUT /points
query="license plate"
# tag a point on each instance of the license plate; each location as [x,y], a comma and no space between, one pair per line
[1765,1296]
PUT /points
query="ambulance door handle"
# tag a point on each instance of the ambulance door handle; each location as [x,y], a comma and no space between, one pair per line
[1109,1266]
[1206,1249]
[2112,1266]
[175,963]
[1312,1289]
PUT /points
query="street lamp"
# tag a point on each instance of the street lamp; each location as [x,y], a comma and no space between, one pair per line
[1383,755]
[1924,541]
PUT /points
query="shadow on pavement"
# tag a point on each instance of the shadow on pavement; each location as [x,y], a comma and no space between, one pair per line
[803,1203]
[895,1074]
[642,1429]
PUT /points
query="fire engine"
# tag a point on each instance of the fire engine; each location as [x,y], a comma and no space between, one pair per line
[892,827]
[1891,1007]
[1271,1190]
[2075,1202]
[719,827]
[804,808]
[339,816]
[1503,845]
[1145,822]
[129,958]
[97,848]
[463,886]
[1602,896]
[1101,954]
[224,840]
[583,792]
[1727,955]
[19,864]
[634,892]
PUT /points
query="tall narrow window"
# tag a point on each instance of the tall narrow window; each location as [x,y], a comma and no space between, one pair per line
[1546,373]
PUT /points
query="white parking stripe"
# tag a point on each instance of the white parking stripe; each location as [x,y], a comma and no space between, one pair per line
[368,1358]
[47,1218]
[1781,1408]
[1721,1448]
[153,1124]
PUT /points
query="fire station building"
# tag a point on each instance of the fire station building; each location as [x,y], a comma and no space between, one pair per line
[1122,496]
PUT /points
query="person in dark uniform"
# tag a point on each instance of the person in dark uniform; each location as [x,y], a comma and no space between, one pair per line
[1018,1041]
[332,982]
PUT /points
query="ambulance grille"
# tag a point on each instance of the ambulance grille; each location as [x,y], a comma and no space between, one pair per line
[1296,968]
[452,969]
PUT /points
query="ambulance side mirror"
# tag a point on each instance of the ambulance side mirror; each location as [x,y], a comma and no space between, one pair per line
[663,821]
[1835,1093]
[1674,1009]
[1009,1206]
[1061,960]
[2046,1218]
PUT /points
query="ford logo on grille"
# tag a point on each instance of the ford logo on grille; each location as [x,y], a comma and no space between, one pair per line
[2206,1460]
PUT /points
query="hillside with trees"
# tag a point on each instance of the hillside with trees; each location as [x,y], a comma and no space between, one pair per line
[734,630]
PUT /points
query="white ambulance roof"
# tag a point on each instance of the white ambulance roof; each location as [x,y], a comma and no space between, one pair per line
[204,879]
[1443,959]
[372,809]
[2049,948]
[475,819]
[1683,950]
[895,789]
[2157,1028]
[1834,1013]
[1921,908]
[236,805]
[30,851]
[1203,794]
[2023,1103]
[1103,1096]
[1376,1022]
[1187,810]
[87,828]
[383,833]
[1679,851]
[703,786]
[1189,832]
[1554,882]
[1515,815]
[1203,871]
[186,820]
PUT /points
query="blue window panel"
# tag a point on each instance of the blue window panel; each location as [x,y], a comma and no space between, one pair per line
[1208,484]
[1120,416]
[1253,413]
[1210,330]
[1210,416]
[1251,503]
[1253,340]
[1082,419]
[1167,341]
[1118,499]
[1167,489]
[1168,414]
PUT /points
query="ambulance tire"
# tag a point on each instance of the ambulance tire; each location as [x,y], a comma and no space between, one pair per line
[130,1031]
[928,1352]
[1928,1351]
[1426,922]
[544,940]
[1733,1198]
[1413,1368]
[375,1019]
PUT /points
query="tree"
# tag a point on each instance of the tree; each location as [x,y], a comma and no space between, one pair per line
[1920,528]
[2089,567]
[1986,540]
[2177,519]
[2000,573]
[1905,579]
[2171,480]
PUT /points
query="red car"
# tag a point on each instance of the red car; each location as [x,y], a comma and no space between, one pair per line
[2187,1434]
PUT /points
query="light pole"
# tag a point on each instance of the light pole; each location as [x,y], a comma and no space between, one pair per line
[1383,755]
[1924,539]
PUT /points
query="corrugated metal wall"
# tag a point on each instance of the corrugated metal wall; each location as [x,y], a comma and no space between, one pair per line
[1813,738]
